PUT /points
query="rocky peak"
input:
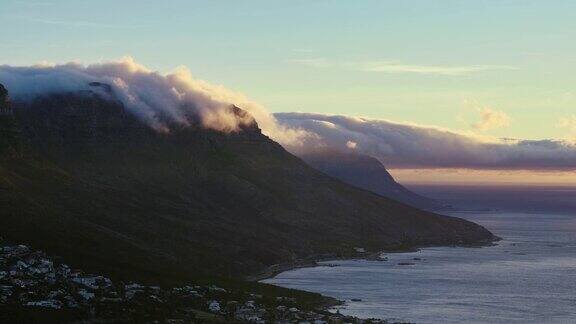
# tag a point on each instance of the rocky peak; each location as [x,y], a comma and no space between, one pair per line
[242,114]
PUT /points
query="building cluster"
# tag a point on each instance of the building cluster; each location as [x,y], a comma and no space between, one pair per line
[30,280]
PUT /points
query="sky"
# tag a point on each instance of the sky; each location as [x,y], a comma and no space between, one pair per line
[501,69]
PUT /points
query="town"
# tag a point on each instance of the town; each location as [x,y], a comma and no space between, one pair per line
[31,281]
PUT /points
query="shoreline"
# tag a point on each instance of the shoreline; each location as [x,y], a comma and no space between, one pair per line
[329,301]
[313,261]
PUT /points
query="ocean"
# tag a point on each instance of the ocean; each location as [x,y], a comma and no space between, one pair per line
[528,277]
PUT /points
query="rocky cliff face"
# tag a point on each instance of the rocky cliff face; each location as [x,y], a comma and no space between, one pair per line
[108,194]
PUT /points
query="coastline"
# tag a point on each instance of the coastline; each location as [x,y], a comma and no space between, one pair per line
[313,261]
[329,301]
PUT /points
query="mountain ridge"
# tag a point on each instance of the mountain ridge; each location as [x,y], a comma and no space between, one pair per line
[105,190]
[368,173]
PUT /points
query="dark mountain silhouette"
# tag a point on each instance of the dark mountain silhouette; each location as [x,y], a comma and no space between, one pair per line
[83,178]
[368,173]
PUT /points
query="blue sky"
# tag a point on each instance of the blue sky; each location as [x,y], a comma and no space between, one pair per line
[443,63]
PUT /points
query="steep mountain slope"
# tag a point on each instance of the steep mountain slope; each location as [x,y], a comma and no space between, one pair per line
[92,183]
[367,173]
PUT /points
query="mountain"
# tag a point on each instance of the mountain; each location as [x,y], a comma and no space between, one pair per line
[83,178]
[367,173]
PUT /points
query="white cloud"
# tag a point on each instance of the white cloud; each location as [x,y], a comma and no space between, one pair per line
[568,122]
[411,146]
[491,119]
[351,145]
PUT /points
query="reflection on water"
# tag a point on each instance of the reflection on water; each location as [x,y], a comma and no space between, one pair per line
[530,277]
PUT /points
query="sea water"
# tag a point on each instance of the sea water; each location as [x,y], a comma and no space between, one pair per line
[529,277]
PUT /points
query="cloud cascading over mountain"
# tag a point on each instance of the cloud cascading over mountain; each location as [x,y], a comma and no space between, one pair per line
[411,146]
[163,100]
[159,99]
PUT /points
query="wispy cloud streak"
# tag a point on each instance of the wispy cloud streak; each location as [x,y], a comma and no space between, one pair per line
[398,68]
[431,69]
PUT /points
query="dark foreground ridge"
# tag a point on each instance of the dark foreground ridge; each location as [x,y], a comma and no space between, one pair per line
[84,179]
